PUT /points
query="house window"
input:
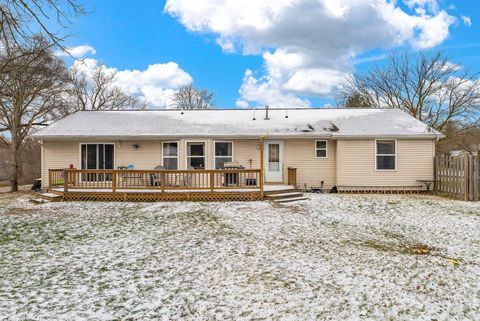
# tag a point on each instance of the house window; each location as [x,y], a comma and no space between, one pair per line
[170,155]
[97,156]
[386,155]
[223,154]
[195,155]
[321,149]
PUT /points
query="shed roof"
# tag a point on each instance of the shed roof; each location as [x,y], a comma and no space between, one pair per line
[238,123]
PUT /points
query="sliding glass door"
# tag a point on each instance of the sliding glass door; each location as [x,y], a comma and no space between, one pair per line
[97,156]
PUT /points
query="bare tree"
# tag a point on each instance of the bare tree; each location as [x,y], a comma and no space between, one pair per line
[429,87]
[32,91]
[20,20]
[98,92]
[356,101]
[189,97]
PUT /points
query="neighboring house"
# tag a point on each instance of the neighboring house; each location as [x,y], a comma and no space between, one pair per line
[339,147]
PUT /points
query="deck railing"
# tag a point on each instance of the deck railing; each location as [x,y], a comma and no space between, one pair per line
[160,180]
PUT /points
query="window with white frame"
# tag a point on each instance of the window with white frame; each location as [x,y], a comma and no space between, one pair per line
[321,149]
[170,155]
[195,155]
[386,155]
[223,154]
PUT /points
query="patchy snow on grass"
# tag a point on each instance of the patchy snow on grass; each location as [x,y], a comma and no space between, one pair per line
[335,257]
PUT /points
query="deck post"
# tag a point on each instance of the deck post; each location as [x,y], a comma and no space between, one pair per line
[212,181]
[49,178]
[114,181]
[65,180]
[162,181]
[261,167]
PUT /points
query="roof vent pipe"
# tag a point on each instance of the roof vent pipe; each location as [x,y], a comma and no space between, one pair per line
[266,113]
[254,114]
[286,113]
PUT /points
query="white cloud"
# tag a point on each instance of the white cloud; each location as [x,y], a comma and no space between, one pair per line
[430,4]
[77,52]
[467,20]
[265,91]
[155,85]
[307,45]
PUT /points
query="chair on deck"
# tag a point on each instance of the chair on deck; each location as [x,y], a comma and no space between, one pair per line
[155,179]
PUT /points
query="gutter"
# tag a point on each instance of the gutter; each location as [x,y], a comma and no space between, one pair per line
[270,135]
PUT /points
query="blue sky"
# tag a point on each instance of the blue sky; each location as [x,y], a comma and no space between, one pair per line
[281,52]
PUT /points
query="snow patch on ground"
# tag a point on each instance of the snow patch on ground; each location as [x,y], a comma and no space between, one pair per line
[334,257]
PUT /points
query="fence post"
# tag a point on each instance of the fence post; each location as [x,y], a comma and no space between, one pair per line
[466,177]
[435,175]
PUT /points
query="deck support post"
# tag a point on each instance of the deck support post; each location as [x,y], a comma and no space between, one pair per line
[114,182]
[162,181]
[212,181]
[262,176]
[65,180]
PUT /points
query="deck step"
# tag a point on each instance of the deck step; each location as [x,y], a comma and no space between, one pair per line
[282,191]
[51,197]
[283,195]
[292,199]
[36,200]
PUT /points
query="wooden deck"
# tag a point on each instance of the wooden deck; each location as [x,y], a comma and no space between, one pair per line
[160,185]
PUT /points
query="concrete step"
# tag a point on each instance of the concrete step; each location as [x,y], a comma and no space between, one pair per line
[51,197]
[282,191]
[283,195]
[292,199]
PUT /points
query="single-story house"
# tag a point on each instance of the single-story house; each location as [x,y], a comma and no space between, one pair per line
[328,147]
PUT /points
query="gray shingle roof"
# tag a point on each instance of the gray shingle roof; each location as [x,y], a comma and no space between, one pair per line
[312,122]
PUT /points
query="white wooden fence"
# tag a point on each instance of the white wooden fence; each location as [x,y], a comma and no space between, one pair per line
[458,176]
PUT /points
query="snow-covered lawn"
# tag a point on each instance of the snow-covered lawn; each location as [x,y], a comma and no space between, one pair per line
[335,257]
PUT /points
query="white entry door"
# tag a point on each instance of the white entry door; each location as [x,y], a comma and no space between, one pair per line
[273,158]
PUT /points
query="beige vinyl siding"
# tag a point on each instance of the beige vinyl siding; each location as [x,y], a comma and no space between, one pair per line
[244,150]
[356,163]
[59,154]
[311,171]
[349,162]
[148,156]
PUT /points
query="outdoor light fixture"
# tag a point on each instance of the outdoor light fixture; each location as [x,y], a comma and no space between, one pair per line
[136,146]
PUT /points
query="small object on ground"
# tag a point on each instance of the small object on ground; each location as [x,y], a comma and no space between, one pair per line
[421,249]
[454,262]
[37,185]
[334,190]
[316,190]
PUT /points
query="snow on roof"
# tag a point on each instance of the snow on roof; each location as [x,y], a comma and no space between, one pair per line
[311,122]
